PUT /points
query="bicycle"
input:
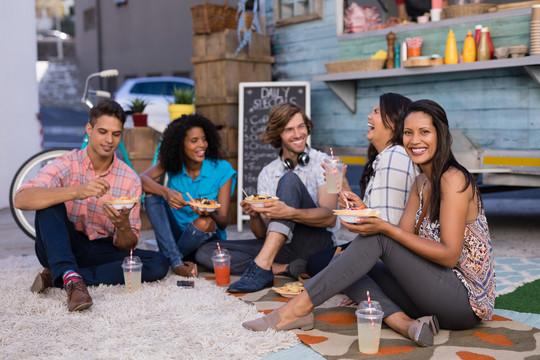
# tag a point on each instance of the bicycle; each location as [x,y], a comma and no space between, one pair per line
[30,168]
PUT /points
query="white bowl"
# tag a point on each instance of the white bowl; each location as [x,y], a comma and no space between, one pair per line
[119,204]
[352,216]
[259,203]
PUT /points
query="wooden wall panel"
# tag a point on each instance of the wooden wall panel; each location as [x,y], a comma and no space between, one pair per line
[495,109]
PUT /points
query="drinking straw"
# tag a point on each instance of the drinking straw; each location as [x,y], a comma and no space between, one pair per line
[219,248]
[370,310]
[130,265]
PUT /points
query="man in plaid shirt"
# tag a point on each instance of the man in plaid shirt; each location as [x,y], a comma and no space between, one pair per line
[78,238]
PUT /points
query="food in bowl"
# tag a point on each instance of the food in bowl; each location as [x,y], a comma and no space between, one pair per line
[205,204]
[352,215]
[121,202]
[258,200]
[289,290]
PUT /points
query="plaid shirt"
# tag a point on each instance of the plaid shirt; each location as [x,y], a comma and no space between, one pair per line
[75,168]
[389,187]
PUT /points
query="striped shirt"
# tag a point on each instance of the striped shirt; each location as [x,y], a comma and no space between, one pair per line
[389,187]
[75,168]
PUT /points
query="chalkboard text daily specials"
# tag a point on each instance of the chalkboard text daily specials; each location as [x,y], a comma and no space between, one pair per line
[255,101]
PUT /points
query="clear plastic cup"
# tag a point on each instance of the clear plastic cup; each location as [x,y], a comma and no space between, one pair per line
[334,175]
[222,267]
[369,329]
[374,305]
[132,266]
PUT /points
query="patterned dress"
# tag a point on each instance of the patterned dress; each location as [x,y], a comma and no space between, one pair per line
[475,268]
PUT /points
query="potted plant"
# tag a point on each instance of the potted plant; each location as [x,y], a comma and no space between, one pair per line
[182,103]
[137,106]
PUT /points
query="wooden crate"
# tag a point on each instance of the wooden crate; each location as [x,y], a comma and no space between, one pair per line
[221,114]
[219,78]
[140,142]
[223,44]
[229,139]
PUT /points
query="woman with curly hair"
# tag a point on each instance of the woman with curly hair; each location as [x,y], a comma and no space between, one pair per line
[190,155]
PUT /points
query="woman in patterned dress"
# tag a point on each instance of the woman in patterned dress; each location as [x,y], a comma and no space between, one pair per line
[439,259]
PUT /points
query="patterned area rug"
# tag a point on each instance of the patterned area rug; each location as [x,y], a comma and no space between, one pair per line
[335,335]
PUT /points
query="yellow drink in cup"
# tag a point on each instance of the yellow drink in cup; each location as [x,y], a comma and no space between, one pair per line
[132,267]
[369,330]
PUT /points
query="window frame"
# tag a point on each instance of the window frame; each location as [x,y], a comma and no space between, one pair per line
[316,14]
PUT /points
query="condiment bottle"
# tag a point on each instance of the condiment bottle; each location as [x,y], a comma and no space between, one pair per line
[490,43]
[482,52]
[451,55]
[397,61]
[477,34]
[390,39]
[469,48]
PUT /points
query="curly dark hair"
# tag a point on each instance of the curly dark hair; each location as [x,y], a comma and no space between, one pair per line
[392,107]
[171,153]
[443,158]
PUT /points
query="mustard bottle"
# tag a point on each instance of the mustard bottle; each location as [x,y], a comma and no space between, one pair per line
[469,48]
[482,52]
[451,55]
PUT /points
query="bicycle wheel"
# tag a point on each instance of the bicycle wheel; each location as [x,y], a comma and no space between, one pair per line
[29,170]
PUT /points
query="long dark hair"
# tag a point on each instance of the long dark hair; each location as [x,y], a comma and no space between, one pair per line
[443,158]
[391,107]
[171,153]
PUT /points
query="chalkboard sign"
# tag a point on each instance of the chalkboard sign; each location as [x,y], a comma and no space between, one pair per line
[255,101]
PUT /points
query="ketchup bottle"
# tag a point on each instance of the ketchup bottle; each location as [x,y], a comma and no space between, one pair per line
[490,43]
[477,34]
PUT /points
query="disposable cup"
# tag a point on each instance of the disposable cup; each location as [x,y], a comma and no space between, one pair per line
[435,14]
[375,305]
[132,267]
[334,176]
[413,52]
[222,267]
[369,329]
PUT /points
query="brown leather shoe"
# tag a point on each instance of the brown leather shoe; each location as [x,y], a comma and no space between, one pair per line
[42,282]
[78,296]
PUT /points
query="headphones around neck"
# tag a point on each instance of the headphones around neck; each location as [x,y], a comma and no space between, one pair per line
[302,159]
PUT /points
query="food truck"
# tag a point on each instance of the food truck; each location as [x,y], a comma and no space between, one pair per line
[493,106]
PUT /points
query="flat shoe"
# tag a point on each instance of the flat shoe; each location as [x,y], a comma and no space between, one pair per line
[271,320]
[423,330]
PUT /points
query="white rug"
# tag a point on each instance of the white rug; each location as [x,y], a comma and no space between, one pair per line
[161,321]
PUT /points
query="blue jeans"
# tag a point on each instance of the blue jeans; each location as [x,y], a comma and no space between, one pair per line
[302,240]
[174,242]
[61,248]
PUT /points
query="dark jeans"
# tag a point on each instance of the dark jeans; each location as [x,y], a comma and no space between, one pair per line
[176,244]
[415,284]
[304,240]
[61,248]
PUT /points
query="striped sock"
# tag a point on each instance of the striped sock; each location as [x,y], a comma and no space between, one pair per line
[70,275]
